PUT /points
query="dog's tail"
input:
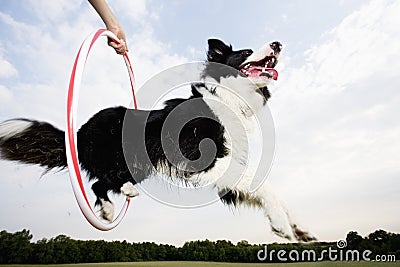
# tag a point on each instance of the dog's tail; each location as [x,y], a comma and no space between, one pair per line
[32,142]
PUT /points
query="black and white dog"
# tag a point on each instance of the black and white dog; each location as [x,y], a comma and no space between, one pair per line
[119,147]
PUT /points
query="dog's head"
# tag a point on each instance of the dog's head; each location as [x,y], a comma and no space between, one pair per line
[256,67]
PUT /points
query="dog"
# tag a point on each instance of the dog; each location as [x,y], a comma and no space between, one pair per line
[120,147]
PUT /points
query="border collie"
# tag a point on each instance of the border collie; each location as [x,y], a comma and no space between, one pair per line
[119,147]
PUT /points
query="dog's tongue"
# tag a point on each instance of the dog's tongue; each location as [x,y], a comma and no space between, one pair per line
[263,73]
[273,72]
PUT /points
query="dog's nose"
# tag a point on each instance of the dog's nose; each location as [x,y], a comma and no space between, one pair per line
[276,46]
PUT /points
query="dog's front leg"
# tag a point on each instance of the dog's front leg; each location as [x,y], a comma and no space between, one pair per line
[129,190]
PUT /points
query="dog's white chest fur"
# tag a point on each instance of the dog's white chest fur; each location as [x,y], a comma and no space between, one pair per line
[233,101]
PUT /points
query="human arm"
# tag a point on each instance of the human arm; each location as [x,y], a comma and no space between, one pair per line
[112,24]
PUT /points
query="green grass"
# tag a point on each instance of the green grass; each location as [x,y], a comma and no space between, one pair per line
[218,264]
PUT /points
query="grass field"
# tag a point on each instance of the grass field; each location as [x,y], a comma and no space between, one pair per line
[220,264]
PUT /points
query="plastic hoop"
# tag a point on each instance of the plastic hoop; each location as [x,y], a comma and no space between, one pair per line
[71,134]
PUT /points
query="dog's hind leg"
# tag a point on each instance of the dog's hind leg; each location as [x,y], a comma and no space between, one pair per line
[100,189]
[279,218]
[127,181]
[120,182]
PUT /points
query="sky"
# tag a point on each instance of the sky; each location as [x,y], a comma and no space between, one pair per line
[335,107]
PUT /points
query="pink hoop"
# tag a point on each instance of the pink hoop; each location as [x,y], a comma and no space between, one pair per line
[71,135]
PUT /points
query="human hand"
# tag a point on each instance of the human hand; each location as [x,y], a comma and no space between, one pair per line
[122,46]
[112,24]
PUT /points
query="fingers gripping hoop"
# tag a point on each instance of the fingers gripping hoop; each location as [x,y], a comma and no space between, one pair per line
[71,133]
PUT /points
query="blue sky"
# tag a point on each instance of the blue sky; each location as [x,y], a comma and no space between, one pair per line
[335,107]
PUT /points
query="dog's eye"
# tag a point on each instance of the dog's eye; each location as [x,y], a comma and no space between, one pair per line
[247,53]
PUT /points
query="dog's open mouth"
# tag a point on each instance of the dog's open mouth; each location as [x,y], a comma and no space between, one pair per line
[263,68]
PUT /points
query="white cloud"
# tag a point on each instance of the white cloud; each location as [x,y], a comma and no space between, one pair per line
[364,45]
[284,18]
[55,10]
[6,68]
[136,11]
[5,95]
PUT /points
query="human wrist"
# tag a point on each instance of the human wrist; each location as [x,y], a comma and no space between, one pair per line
[112,23]
[113,26]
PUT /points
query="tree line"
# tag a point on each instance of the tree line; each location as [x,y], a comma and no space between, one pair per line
[18,248]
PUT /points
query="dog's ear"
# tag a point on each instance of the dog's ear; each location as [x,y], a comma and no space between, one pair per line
[217,51]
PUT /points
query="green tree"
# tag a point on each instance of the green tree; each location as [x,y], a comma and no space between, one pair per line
[379,236]
[43,252]
[354,240]
[15,248]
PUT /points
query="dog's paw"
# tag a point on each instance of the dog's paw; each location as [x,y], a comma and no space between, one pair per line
[107,210]
[129,190]
[301,235]
[279,231]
